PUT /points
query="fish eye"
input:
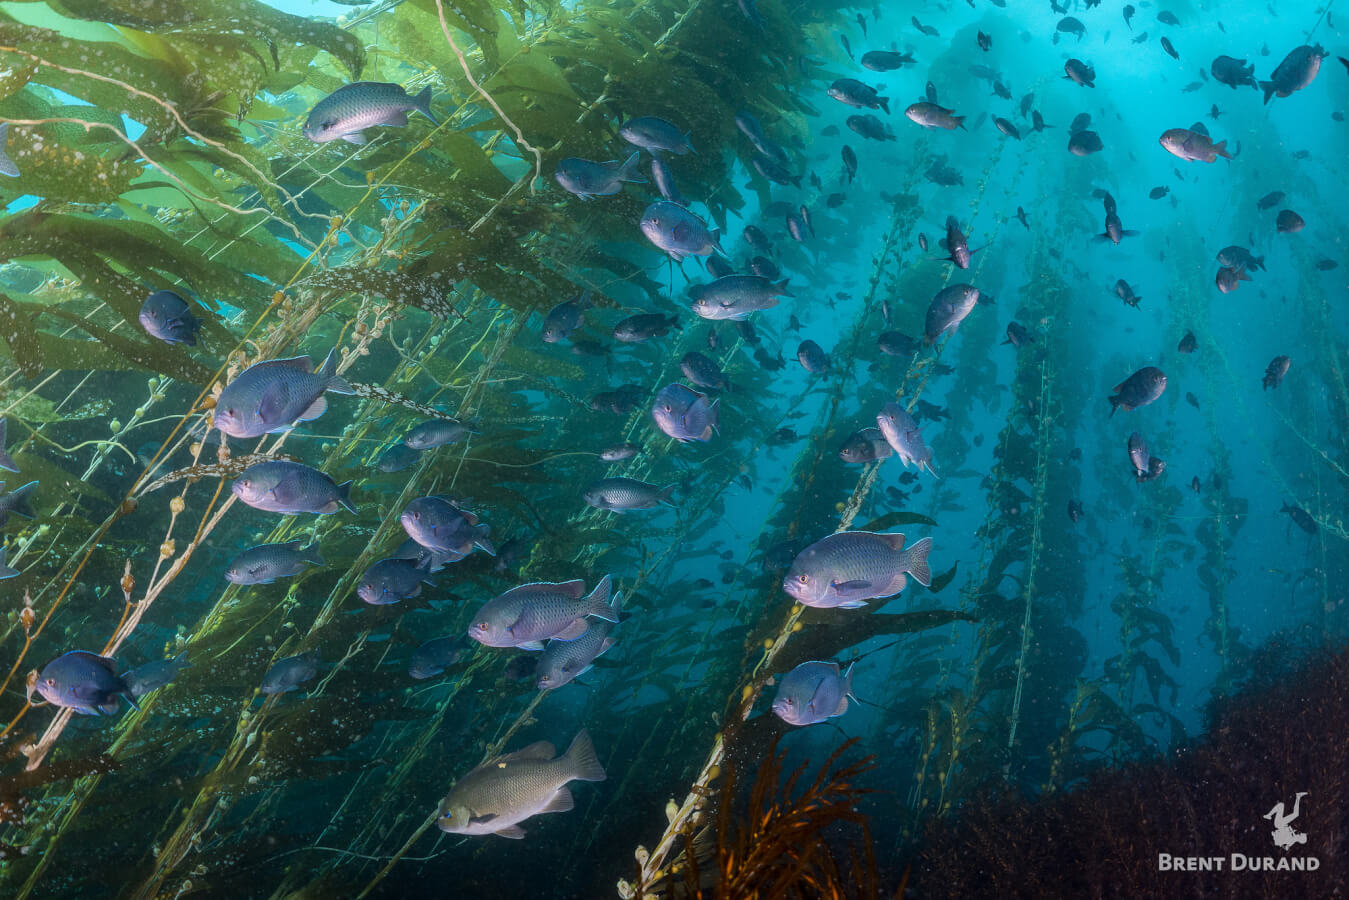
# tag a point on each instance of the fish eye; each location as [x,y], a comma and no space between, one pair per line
[327,124]
[669,408]
[416,516]
[481,626]
[803,578]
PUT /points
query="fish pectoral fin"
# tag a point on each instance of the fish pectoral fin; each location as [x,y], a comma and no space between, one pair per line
[851,585]
[482,820]
[852,604]
[396,119]
[560,802]
[514,832]
[316,409]
[530,645]
[356,137]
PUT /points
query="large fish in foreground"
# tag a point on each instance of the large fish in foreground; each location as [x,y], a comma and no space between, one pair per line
[1192,146]
[948,309]
[530,614]
[563,661]
[347,112]
[622,494]
[678,232]
[1295,72]
[442,527]
[588,179]
[501,793]
[288,487]
[735,297]
[85,682]
[273,395]
[845,570]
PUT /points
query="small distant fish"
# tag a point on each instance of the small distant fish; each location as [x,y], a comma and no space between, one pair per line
[1214,112]
[1139,389]
[1275,371]
[1021,217]
[930,115]
[347,112]
[870,127]
[655,135]
[1301,518]
[812,358]
[1289,222]
[984,41]
[1233,72]
[1170,48]
[864,446]
[885,60]
[154,675]
[1146,466]
[846,569]
[588,179]
[1192,87]
[1069,25]
[894,343]
[289,673]
[1325,265]
[1159,192]
[833,201]
[849,162]
[1191,399]
[392,581]
[925,29]
[813,692]
[1018,336]
[622,494]
[900,430]
[565,318]
[266,563]
[847,47]
[1270,200]
[1194,484]
[1192,146]
[684,414]
[1128,15]
[437,433]
[1006,127]
[1229,279]
[167,316]
[1188,344]
[854,93]
[1167,18]
[763,267]
[1075,510]
[644,326]
[434,657]
[397,458]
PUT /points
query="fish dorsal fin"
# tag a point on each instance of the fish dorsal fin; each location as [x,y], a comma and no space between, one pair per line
[574,589]
[1117,388]
[538,751]
[300,363]
[896,540]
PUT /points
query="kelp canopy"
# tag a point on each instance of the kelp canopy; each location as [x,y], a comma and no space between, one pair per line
[159,147]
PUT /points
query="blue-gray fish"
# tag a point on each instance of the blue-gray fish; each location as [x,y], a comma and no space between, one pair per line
[735,297]
[655,135]
[289,673]
[6,461]
[1296,71]
[435,656]
[266,563]
[168,317]
[812,692]
[864,446]
[348,111]
[273,395]
[751,128]
[1192,146]
[620,452]
[854,93]
[154,675]
[437,433]
[930,115]
[6,571]
[1079,72]
[678,232]
[562,661]
[845,570]
[703,371]
[664,180]
[7,167]
[16,502]
[900,430]
[1139,389]
[397,458]
[392,580]
[85,682]
[812,357]
[439,525]
[501,793]
[643,327]
[289,487]
[526,616]
[426,559]
[948,309]
[622,494]
[684,414]
[565,318]
[588,179]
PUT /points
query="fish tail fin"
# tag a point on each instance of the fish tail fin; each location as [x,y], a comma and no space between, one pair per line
[336,383]
[916,564]
[181,660]
[5,570]
[1114,404]
[1269,88]
[666,494]
[597,604]
[1220,148]
[130,697]
[423,103]
[7,166]
[310,554]
[884,102]
[689,143]
[960,122]
[781,288]
[7,461]
[19,501]
[582,762]
[344,496]
[628,171]
[482,543]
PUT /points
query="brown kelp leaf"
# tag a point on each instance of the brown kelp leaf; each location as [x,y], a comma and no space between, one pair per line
[16,329]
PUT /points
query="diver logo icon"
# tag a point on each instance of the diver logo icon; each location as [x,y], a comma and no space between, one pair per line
[1283,834]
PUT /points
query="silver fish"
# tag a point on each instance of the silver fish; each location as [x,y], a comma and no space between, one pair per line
[813,692]
[846,569]
[437,433]
[442,527]
[684,414]
[289,487]
[526,616]
[265,563]
[348,111]
[273,395]
[563,661]
[900,430]
[391,581]
[622,494]
[588,179]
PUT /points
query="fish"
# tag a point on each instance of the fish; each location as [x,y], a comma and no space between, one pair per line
[1021,217]
[391,581]
[948,309]
[620,401]
[1085,143]
[1114,228]
[1270,200]
[84,682]
[1128,14]
[813,692]
[266,563]
[930,115]
[623,494]
[895,343]
[6,461]
[1275,371]
[643,327]
[271,396]
[655,135]
[885,60]
[1081,122]
[1037,121]
[440,526]
[1214,112]
[1139,389]
[1188,344]
[833,201]
[812,357]
[1146,466]
[1194,484]
[1191,399]
[529,614]
[167,316]
[588,180]
[434,657]
[511,553]
[847,47]
[347,112]
[735,297]
[774,171]
[1166,17]
[1326,265]
[1289,222]
[844,570]
[1159,192]
[1192,87]
[1301,518]
[703,371]
[925,29]
[154,675]
[17,502]
[751,128]
[1075,510]
[849,162]
[864,446]
[289,487]
[1000,90]
[1192,146]
[397,458]
[1006,127]
[956,244]
[763,267]
[854,93]
[684,414]
[288,674]
[1018,336]
[678,232]
[1234,72]
[1069,25]
[437,433]
[984,41]
[900,431]
[1126,293]
[6,571]
[1170,48]
[501,793]
[1079,72]
[1298,69]
[564,661]
[1229,278]
[718,267]
[870,127]
[565,318]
